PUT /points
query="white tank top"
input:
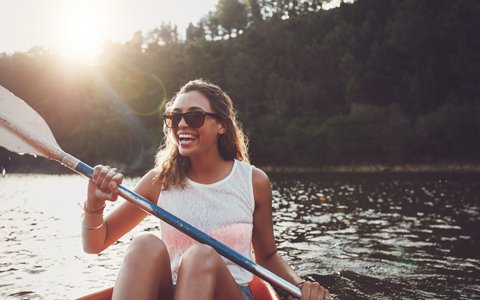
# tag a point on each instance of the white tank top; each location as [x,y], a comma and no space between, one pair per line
[223,210]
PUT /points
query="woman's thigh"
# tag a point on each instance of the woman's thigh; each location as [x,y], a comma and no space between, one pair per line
[145,272]
[204,275]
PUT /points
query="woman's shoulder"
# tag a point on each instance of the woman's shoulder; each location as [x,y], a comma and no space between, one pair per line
[150,185]
[259,176]
[151,176]
[262,188]
[257,173]
[260,180]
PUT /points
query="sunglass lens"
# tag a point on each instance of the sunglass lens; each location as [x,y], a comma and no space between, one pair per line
[172,120]
[194,120]
[176,118]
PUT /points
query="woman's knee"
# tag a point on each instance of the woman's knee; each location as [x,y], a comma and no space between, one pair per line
[145,271]
[201,258]
[147,248]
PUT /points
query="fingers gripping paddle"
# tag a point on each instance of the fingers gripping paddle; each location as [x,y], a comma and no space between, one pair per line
[23,130]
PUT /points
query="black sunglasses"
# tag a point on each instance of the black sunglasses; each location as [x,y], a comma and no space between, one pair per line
[194,119]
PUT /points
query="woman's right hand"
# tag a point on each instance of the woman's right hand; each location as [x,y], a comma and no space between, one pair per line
[103,186]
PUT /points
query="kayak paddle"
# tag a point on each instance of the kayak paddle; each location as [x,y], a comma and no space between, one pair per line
[23,130]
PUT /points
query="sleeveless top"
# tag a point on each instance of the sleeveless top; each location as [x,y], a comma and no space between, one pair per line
[223,210]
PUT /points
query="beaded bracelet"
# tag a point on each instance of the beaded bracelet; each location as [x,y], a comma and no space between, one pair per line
[92,227]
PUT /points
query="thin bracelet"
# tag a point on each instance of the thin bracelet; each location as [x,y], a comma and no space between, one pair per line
[94,212]
[92,227]
[300,283]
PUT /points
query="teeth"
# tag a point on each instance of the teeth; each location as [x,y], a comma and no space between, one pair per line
[186,136]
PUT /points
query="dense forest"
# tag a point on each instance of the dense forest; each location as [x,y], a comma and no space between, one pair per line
[373,81]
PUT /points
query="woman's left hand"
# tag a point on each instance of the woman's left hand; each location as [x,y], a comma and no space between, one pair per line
[313,291]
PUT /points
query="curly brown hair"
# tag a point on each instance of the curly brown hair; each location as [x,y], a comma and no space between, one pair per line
[233,144]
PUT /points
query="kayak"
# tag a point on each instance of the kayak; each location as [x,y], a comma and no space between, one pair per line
[261,290]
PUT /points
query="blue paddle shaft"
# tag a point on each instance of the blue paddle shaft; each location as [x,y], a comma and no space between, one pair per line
[199,236]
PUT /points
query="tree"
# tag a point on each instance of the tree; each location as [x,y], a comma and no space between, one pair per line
[255,11]
[136,42]
[195,33]
[232,16]
[166,34]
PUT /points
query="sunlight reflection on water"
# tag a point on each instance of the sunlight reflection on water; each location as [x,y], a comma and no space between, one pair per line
[362,237]
[41,253]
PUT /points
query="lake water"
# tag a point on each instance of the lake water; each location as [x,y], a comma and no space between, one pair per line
[361,236]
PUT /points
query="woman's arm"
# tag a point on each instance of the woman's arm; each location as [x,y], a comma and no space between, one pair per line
[264,242]
[98,232]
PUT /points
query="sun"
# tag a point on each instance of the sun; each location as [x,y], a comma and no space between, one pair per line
[80,30]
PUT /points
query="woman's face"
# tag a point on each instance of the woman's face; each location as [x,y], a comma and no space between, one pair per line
[196,141]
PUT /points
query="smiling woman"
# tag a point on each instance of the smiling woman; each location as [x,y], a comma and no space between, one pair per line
[80,30]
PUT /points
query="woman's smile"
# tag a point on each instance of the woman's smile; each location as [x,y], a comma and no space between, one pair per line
[187,139]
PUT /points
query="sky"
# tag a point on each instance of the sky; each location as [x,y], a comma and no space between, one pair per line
[78,28]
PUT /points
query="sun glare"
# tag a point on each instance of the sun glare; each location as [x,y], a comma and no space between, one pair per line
[80,30]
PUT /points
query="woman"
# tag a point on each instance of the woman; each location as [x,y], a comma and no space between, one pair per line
[203,176]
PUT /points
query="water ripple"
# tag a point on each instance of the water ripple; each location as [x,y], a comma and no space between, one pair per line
[363,237]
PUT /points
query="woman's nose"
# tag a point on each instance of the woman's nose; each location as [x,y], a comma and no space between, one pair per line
[182,122]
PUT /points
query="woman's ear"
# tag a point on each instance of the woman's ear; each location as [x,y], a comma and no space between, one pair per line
[223,128]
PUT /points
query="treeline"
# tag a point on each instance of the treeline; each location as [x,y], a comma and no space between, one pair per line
[374,81]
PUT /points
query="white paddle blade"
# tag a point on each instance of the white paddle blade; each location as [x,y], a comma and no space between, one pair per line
[23,130]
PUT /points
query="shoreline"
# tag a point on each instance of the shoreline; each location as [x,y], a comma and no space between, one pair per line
[380,168]
[340,169]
